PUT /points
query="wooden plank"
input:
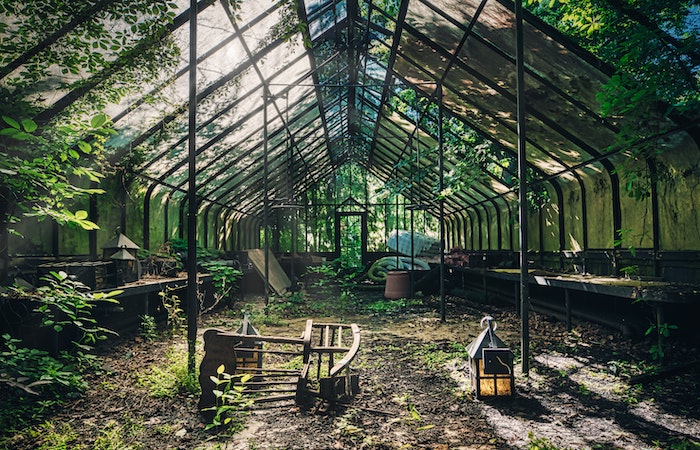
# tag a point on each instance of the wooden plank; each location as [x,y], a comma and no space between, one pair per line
[272,352]
[269,372]
[260,338]
[266,391]
[278,280]
[250,384]
[275,398]
[330,349]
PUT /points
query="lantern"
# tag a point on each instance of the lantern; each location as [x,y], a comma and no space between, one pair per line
[490,364]
[118,243]
[122,251]
[126,265]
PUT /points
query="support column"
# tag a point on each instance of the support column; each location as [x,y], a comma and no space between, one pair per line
[192,301]
[522,190]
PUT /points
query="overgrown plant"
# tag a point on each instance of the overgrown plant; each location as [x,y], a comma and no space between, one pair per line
[28,368]
[65,303]
[540,443]
[170,379]
[65,306]
[230,400]
[225,278]
[42,169]
[175,314]
[662,331]
[32,381]
[148,328]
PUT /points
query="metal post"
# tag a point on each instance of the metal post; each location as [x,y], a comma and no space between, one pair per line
[567,307]
[442,206]
[522,193]
[266,203]
[192,303]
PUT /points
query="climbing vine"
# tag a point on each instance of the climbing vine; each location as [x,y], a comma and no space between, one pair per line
[112,45]
[655,88]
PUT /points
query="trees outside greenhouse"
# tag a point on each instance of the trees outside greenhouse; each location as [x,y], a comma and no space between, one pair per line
[167,165]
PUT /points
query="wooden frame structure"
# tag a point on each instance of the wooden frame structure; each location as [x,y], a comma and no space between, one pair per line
[282,368]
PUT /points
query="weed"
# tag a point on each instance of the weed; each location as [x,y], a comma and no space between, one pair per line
[112,438]
[55,436]
[171,380]
[289,306]
[171,303]
[225,278]
[391,306]
[344,425]
[413,414]
[629,394]
[296,363]
[163,430]
[230,400]
[584,390]
[107,386]
[433,357]
[148,328]
[678,444]
[539,443]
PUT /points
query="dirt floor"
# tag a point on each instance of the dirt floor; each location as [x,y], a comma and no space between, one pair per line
[414,392]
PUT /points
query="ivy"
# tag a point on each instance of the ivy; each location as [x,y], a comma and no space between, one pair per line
[99,51]
[652,47]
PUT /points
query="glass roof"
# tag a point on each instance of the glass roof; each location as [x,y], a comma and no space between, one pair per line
[287,93]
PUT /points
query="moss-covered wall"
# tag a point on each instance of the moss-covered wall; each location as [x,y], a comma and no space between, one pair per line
[678,200]
[37,238]
[549,221]
[599,209]
[679,197]
[572,216]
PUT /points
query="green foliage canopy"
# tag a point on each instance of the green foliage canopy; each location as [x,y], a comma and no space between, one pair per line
[90,51]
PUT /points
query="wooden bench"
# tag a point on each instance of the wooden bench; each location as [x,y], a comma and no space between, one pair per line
[315,365]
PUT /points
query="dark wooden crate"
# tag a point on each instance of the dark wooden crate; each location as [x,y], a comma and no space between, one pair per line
[93,274]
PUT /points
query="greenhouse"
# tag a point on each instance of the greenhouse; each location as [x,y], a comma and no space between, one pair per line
[299,224]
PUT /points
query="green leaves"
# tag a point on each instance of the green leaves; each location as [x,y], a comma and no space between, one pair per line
[230,399]
[653,48]
[44,167]
[66,304]
[11,122]
[20,132]
[98,121]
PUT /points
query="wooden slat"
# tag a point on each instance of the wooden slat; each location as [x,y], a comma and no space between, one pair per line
[267,372]
[324,324]
[273,352]
[269,383]
[273,398]
[268,391]
[330,349]
[270,339]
